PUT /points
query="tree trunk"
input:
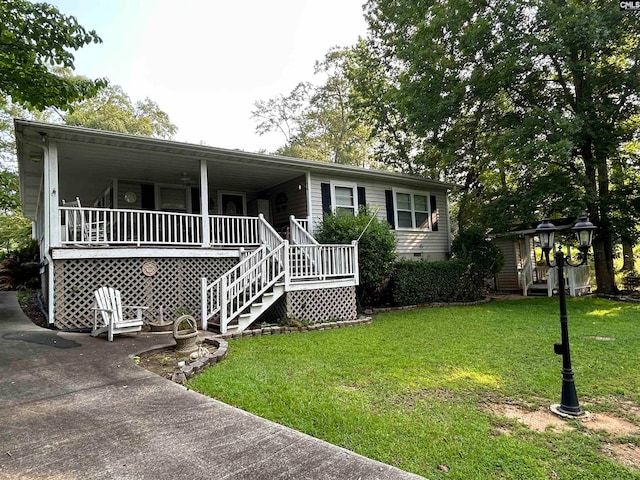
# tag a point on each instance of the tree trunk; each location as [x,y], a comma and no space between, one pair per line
[627,255]
[603,254]
[596,185]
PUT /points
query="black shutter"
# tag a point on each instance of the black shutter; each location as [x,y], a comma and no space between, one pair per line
[325,188]
[362,200]
[195,200]
[434,213]
[388,194]
[148,196]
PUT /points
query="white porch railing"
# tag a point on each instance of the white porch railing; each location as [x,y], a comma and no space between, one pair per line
[576,280]
[101,226]
[323,262]
[298,232]
[95,226]
[234,231]
[212,300]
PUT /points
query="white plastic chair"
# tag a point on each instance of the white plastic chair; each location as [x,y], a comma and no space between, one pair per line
[109,308]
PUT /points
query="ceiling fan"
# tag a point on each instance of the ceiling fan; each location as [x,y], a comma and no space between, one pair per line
[185,179]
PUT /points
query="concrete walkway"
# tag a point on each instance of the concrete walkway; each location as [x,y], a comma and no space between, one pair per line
[77,407]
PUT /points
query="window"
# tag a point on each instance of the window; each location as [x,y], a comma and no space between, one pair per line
[173,199]
[412,210]
[344,199]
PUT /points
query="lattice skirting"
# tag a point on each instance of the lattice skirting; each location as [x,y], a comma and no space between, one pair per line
[172,284]
[323,304]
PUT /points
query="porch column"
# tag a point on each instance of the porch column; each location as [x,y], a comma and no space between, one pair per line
[309,205]
[204,203]
[51,196]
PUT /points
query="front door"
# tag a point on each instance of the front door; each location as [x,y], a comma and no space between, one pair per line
[232,204]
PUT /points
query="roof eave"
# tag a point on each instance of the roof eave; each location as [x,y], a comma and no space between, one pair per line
[82,134]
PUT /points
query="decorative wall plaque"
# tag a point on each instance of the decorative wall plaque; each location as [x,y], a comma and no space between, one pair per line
[149,268]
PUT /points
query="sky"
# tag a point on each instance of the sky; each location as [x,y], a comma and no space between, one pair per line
[205,62]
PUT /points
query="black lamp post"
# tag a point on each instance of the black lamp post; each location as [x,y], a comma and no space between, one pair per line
[569,405]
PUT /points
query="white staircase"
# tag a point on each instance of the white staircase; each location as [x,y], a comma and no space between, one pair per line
[258,308]
[240,296]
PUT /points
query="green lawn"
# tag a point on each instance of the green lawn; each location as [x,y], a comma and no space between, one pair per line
[412,388]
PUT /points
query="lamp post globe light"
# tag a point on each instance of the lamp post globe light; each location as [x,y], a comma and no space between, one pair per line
[583,228]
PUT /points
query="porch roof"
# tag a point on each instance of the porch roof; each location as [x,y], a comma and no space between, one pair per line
[530,228]
[90,155]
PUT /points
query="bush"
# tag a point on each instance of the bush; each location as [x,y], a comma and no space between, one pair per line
[472,246]
[428,282]
[376,248]
[20,268]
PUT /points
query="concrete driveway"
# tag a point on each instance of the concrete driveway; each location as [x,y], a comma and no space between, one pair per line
[77,407]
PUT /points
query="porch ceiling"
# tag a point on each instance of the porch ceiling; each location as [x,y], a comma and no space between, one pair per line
[86,169]
[90,159]
[158,167]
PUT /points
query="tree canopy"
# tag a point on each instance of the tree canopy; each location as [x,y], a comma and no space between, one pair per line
[35,38]
[112,109]
[318,121]
[532,105]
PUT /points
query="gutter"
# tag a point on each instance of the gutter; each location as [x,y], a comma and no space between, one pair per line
[101,137]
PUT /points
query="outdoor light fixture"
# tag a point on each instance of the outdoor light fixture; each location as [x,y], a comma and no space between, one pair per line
[569,404]
[35,157]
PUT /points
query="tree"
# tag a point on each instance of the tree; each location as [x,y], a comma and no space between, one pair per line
[376,248]
[472,246]
[282,114]
[15,230]
[34,38]
[531,104]
[318,122]
[112,109]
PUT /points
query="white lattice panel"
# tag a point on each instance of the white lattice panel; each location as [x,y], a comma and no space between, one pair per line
[323,304]
[174,285]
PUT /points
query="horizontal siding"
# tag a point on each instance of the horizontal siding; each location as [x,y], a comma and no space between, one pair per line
[411,244]
[507,278]
[287,199]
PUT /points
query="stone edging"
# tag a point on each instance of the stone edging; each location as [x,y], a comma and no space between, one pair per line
[619,298]
[220,341]
[430,305]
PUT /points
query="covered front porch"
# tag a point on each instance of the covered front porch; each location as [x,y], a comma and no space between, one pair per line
[164,221]
[528,273]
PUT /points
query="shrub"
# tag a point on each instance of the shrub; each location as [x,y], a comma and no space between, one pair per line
[376,248]
[427,282]
[20,269]
[472,246]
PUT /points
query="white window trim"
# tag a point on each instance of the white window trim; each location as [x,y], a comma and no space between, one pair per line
[413,211]
[354,189]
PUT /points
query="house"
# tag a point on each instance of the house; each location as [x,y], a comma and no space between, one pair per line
[525,272]
[224,234]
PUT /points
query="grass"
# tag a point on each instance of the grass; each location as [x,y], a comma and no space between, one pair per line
[411,389]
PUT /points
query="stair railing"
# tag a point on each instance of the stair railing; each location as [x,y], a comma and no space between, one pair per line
[267,234]
[237,289]
[527,276]
[240,293]
[211,293]
[298,234]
